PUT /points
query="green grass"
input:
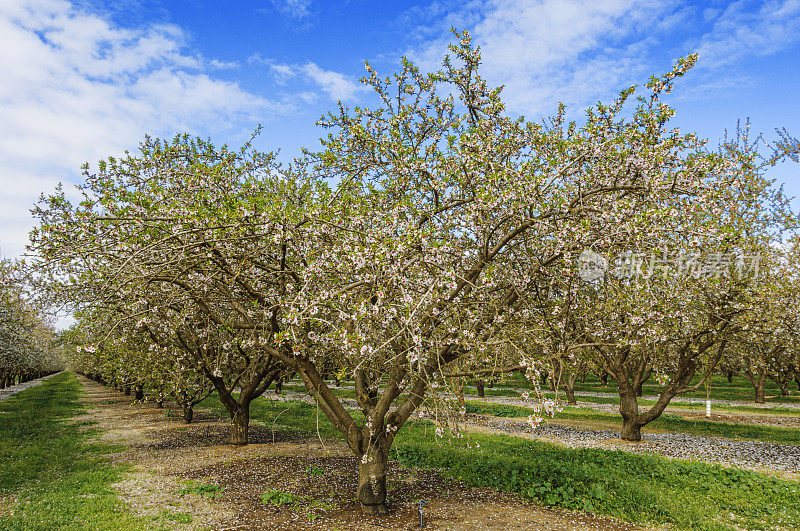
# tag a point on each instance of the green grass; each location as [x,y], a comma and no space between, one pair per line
[277,497]
[667,422]
[719,391]
[60,479]
[677,403]
[738,389]
[635,488]
[207,490]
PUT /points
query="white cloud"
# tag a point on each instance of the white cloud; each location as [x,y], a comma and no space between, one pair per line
[582,51]
[293,8]
[334,84]
[282,72]
[545,51]
[747,29]
[223,65]
[76,88]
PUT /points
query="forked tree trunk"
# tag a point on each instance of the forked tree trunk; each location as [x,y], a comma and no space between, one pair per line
[629,409]
[372,482]
[239,408]
[569,386]
[728,374]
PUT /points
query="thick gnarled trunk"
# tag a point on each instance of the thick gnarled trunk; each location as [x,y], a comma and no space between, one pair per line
[629,409]
[241,425]
[569,389]
[372,482]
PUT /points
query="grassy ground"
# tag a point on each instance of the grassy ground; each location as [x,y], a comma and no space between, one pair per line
[738,390]
[666,422]
[643,489]
[51,476]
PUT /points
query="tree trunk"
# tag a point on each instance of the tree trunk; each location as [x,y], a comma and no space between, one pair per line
[570,391]
[629,409]
[139,394]
[604,378]
[127,390]
[188,414]
[760,384]
[241,422]
[631,430]
[372,482]
[480,386]
[569,386]
[462,404]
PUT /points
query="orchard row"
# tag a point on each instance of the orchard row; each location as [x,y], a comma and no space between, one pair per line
[433,237]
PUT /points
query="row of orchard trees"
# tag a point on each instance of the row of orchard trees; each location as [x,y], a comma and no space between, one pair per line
[130,360]
[28,347]
[433,234]
[739,324]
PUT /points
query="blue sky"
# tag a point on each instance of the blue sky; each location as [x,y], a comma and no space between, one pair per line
[83,79]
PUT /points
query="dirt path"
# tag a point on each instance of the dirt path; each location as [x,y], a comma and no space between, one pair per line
[14,389]
[167,455]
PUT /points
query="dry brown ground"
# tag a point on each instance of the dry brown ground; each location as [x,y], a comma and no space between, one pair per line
[168,455]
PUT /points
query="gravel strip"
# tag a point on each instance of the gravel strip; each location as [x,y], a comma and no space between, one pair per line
[689,400]
[753,455]
[14,389]
[596,394]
